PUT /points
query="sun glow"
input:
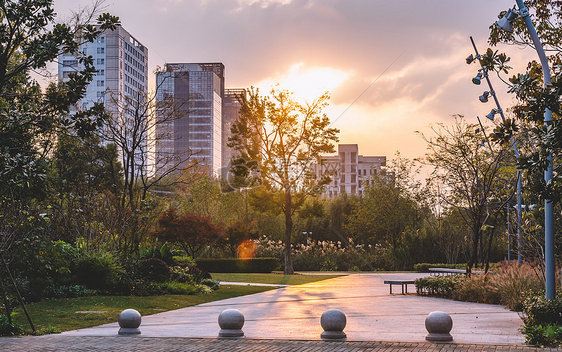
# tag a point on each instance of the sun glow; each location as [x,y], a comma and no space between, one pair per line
[307,83]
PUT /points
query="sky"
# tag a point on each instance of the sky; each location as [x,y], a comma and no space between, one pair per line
[392,67]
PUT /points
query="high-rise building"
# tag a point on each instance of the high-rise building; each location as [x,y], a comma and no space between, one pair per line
[349,171]
[120,82]
[230,113]
[198,89]
[121,62]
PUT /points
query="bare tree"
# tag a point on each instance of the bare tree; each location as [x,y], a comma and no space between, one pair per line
[139,125]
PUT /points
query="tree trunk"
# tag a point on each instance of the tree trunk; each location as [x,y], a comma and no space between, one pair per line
[288,230]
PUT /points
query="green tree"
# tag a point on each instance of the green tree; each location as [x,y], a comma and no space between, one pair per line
[472,178]
[389,210]
[285,138]
[31,119]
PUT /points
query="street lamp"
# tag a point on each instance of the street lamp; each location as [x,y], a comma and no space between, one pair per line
[306,233]
[505,24]
[491,115]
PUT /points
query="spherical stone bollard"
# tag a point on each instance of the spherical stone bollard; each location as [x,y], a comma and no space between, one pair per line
[333,322]
[231,322]
[438,325]
[129,321]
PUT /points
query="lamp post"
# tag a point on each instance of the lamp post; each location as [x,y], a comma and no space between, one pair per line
[484,98]
[505,24]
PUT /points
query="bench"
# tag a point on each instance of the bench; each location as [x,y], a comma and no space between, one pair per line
[446,271]
[403,283]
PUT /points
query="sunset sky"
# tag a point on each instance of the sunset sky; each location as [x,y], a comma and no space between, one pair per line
[392,67]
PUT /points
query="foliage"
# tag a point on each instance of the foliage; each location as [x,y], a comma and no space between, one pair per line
[163,252]
[29,118]
[441,286]
[252,265]
[503,287]
[7,328]
[475,177]
[99,271]
[284,137]
[154,269]
[534,94]
[191,231]
[212,284]
[543,335]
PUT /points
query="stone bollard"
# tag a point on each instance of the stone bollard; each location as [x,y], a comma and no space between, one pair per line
[231,322]
[438,325]
[129,321]
[333,322]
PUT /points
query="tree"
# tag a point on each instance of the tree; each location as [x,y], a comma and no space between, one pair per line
[192,232]
[285,138]
[389,210]
[30,119]
[533,96]
[472,179]
[137,125]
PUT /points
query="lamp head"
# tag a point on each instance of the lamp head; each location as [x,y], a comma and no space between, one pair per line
[492,114]
[476,80]
[484,97]
[470,59]
[505,23]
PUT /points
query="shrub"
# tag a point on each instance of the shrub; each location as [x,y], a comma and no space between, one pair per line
[154,269]
[477,288]
[196,273]
[254,265]
[180,274]
[179,288]
[7,329]
[543,335]
[441,286]
[540,311]
[212,284]
[163,252]
[99,271]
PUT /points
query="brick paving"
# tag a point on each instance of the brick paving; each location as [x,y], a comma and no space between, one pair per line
[174,344]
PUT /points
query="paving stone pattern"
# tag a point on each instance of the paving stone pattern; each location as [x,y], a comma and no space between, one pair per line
[155,344]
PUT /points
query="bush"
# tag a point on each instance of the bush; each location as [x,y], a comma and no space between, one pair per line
[543,335]
[154,269]
[254,265]
[179,288]
[541,311]
[99,271]
[163,252]
[7,329]
[442,286]
[212,284]
[424,267]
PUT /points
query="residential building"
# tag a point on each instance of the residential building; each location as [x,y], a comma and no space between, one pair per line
[349,171]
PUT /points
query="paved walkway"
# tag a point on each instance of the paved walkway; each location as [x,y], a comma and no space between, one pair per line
[288,319]
[174,344]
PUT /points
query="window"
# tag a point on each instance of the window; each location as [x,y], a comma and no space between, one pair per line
[100,83]
[100,61]
[101,72]
[101,50]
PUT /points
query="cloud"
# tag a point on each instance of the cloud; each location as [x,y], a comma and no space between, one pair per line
[260,40]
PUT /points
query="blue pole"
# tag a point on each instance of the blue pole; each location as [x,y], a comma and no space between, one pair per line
[550,277]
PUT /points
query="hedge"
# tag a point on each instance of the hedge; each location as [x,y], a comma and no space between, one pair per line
[234,265]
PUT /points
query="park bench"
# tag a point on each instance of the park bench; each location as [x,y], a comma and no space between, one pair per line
[447,271]
[403,283]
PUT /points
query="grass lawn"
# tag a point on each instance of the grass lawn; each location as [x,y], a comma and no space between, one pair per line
[273,278]
[75,313]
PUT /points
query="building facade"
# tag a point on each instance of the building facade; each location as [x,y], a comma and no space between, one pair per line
[121,82]
[121,62]
[349,171]
[230,113]
[198,90]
